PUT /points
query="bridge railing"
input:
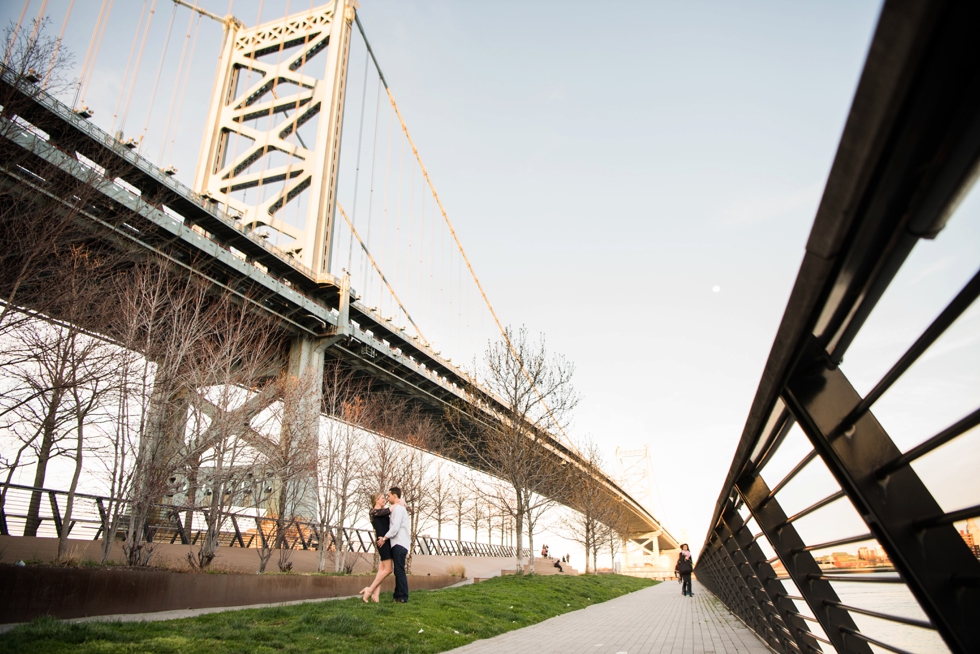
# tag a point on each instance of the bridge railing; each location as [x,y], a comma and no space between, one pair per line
[815,473]
[169,523]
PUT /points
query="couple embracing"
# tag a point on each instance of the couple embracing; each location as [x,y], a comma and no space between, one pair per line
[391,525]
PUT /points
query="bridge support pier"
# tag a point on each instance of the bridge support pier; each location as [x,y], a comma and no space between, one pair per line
[302,398]
[163,440]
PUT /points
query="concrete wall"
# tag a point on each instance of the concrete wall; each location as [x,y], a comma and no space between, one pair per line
[33,591]
[236,559]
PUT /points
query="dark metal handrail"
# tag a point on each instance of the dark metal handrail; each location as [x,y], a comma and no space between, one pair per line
[89,516]
[909,151]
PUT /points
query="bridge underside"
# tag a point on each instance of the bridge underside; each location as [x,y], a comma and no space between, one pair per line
[56,167]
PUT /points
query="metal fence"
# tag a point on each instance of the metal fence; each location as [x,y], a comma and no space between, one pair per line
[907,156]
[188,525]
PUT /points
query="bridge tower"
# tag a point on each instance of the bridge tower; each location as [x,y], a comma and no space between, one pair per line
[643,552]
[272,80]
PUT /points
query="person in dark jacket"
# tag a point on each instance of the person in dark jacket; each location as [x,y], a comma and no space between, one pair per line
[381,521]
[684,568]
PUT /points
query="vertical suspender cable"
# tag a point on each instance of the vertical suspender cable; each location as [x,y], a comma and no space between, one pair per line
[384,222]
[37,21]
[94,46]
[177,80]
[374,162]
[357,164]
[139,62]
[156,79]
[16,32]
[459,245]
[183,89]
[129,62]
[57,45]
[380,274]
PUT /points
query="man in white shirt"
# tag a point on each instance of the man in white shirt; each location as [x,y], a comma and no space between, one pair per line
[401,540]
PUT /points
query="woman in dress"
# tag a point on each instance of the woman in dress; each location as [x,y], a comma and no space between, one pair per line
[381,521]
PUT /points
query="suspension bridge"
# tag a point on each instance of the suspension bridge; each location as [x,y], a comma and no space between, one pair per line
[263,219]
[267,217]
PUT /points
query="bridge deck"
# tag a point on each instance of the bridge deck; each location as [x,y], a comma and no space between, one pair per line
[653,620]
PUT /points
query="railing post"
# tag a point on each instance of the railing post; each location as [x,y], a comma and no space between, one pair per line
[774,589]
[55,513]
[822,398]
[180,528]
[799,563]
[238,532]
[768,619]
[103,516]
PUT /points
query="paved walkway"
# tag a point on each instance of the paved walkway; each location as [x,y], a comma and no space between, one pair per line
[651,621]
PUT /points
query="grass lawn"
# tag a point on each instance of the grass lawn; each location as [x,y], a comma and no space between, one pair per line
[433,621]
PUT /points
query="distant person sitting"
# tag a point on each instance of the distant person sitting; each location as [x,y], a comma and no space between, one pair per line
[558,565]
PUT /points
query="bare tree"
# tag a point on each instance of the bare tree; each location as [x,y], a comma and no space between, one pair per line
[439,492]
[172,321]
[229,384]
[55,366]
[342,460]
[458,498]
[593,509]
[515,446]
[420,433]
[476,515]
[91,383]
[31,227]
[293,463]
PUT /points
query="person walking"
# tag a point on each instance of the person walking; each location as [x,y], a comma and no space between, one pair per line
[684,568]
[381,521]
[399,537]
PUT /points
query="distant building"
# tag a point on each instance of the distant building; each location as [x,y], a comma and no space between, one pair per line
[848,560]
[971,536]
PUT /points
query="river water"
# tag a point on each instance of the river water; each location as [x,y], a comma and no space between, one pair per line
[894,599]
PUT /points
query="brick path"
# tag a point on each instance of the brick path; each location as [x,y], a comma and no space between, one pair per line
[651,621]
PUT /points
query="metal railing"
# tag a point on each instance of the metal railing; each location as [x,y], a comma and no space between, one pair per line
[173,524]
[908,153]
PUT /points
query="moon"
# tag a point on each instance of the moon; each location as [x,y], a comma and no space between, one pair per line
[716,289]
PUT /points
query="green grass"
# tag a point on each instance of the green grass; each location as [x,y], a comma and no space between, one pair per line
[433,621]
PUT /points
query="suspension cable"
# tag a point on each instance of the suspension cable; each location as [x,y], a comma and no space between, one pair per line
[57,46]
[381,274]
[94,47]
[13,36]
[183,89]
[129,62]
[357,165]
[459,244]
[156,79]
[177,79]
[139,62]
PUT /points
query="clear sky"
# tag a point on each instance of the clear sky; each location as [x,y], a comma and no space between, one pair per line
[634,180]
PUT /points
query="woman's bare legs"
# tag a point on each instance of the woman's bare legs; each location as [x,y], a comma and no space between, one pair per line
[374,590]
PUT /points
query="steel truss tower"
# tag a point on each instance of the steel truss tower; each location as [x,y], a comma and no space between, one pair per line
[267,88]
[643,551]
